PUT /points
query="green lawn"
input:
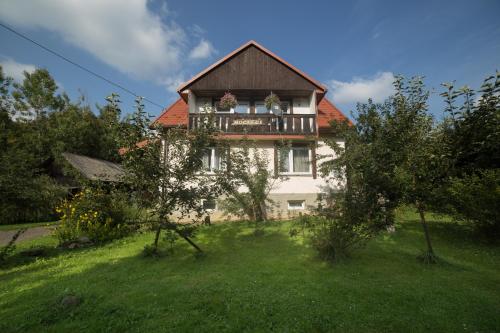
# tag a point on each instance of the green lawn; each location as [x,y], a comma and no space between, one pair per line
[255,284]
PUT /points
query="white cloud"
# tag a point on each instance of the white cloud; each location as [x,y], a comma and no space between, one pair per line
[378,88]
[171,83]
[126,35]
[16,69]
[203,50]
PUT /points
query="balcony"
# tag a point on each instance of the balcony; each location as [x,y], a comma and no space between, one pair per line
[235,123]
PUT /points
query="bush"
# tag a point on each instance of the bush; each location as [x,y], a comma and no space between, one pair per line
[95,214]
[333,231]
[336,238]
[475,199]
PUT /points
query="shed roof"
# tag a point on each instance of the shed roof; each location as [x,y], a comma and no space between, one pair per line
[95,169]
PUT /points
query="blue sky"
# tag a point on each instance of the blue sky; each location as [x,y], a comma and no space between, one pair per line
[354,47]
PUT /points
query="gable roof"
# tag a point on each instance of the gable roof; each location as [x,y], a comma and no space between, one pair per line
[177,114]
[322,89]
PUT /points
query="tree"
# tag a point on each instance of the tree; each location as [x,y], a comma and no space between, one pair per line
[365,167]
[37,93]
[111,125]
[31,148]
[471,134]
[393,155]
[164,168]
[249,181]
[26,193]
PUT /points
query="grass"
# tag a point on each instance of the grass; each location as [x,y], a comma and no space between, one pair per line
[253,284]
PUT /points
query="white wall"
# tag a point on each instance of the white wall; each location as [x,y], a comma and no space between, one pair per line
[299,183]
[301,105]
[192,102]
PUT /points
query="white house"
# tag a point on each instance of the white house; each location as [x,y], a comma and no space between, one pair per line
[251,73]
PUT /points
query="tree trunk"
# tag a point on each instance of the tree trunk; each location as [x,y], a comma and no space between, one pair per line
[157,236]
[426,230]
[263,211]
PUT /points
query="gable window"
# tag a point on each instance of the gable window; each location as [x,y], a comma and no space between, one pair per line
[212,160]
[296,160]
[296,204]
[242,107]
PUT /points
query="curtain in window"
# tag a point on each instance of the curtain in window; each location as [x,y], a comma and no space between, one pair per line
[217,160]
[260,108]
[207,159]
[284,161]
[242,107]
[300,160]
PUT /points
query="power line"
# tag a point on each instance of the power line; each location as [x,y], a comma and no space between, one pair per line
[99,76]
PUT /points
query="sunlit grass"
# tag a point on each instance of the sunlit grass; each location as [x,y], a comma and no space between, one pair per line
[265,283]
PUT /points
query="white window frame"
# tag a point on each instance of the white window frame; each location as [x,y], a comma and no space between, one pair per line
[212,161]
[291,166]
[302,206]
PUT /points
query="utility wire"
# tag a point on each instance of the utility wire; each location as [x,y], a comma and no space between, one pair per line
[99,76]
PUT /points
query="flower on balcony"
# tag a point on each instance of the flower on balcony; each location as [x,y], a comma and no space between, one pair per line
[228,101]
[271,100]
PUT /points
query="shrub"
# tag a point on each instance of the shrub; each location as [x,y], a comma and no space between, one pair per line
[93,213]
[475,199]
[335,239]
[333,232]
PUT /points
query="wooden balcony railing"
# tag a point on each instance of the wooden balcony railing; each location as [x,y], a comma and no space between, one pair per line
[236,123]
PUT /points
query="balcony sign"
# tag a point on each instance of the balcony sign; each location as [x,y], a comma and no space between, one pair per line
[246,122]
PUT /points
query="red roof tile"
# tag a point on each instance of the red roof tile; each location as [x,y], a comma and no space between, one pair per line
[177,114]
[328,112]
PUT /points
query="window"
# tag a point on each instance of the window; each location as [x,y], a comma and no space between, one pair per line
[296,204]
[202,103]
[296,160]
[242,107]
[260,107]
[218,109]
[209,204]
[285,107]
[212,160]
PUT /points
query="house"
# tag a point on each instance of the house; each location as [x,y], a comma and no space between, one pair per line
[251,73]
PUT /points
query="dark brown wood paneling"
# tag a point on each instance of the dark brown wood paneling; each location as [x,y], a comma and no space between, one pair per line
[252,69]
